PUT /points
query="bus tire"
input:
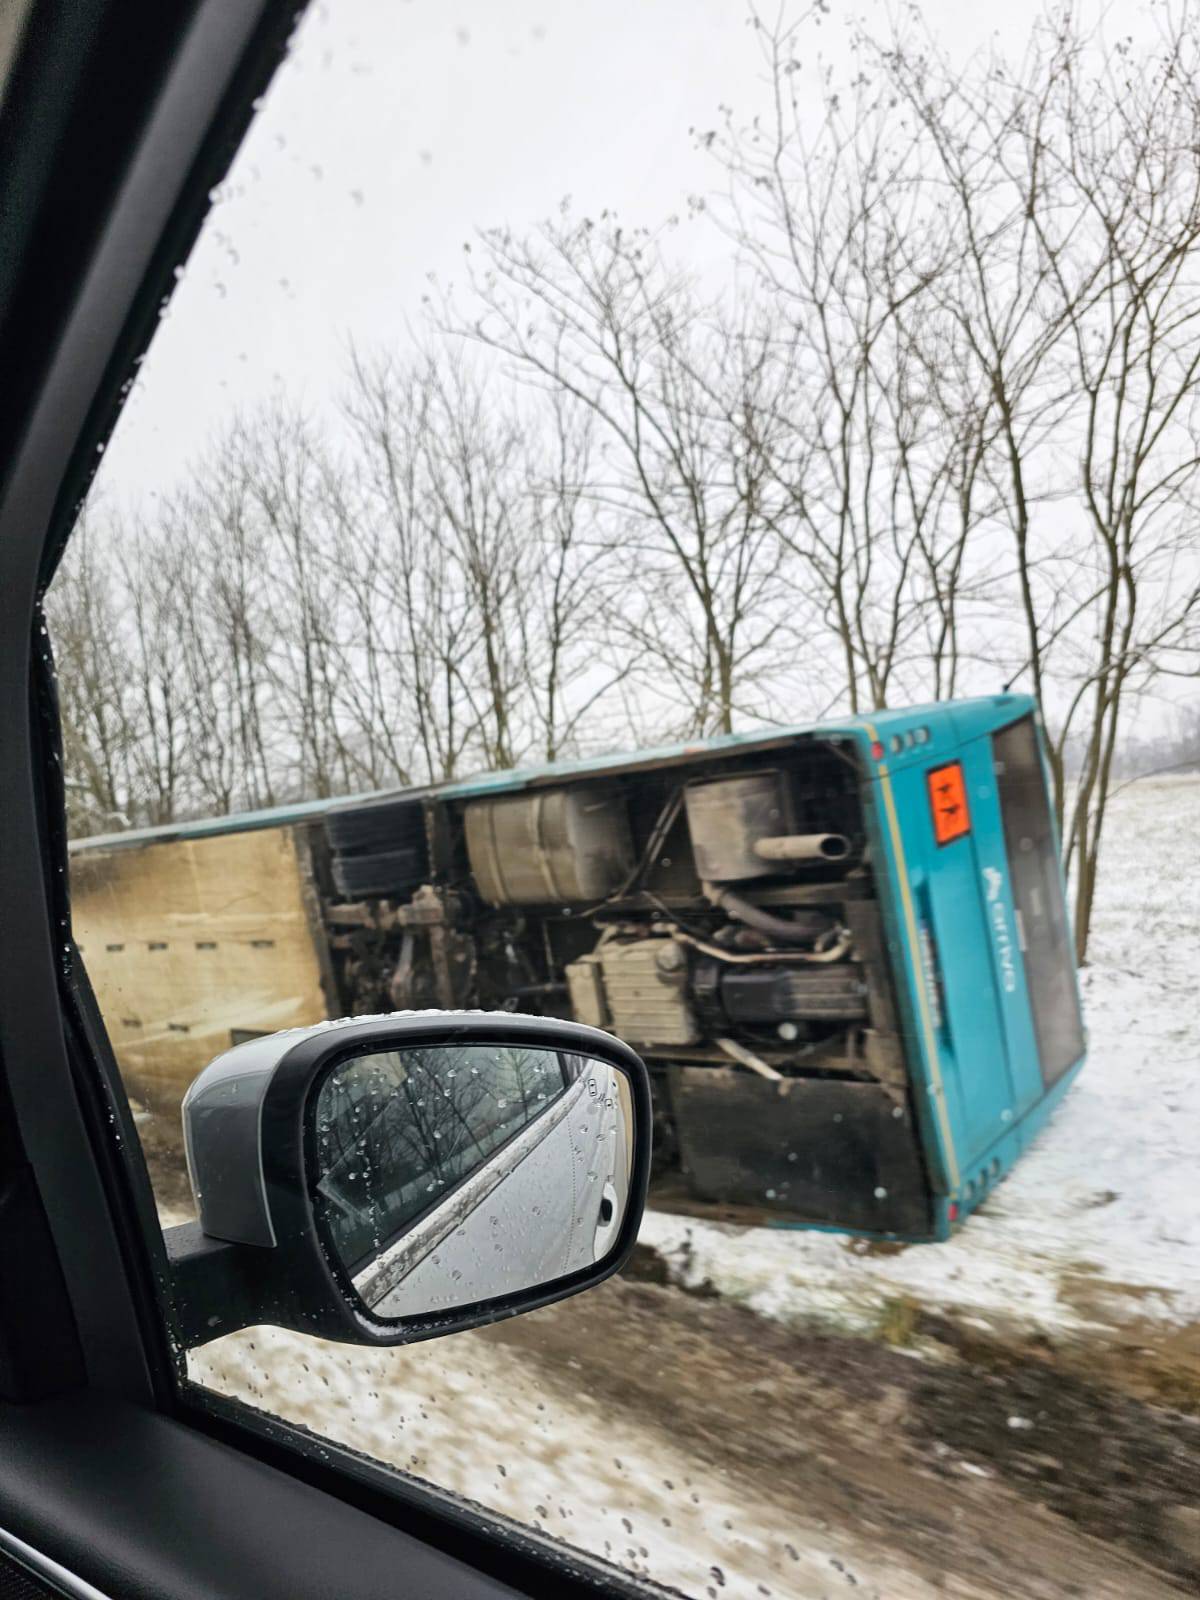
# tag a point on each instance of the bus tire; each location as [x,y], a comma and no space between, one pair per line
[373,829]
[389,872]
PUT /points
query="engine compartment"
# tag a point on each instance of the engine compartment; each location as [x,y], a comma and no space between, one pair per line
[716,909]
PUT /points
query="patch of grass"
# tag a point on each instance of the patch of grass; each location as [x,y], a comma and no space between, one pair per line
[1093,1295]
[876,1247]
[899,1318]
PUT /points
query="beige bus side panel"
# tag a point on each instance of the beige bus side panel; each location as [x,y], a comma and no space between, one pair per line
[192,940]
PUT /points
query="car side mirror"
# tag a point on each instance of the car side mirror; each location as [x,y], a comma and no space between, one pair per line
[384,1180]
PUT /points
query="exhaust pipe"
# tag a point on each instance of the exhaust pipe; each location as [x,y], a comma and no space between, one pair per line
[803,847]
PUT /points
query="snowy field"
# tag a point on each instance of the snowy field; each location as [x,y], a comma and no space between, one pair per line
[1098,1225]
[1100,1222]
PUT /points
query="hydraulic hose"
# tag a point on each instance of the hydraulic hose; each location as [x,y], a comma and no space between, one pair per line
[804,928]
[833,945]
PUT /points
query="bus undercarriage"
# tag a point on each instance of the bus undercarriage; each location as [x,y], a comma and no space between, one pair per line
[716,910]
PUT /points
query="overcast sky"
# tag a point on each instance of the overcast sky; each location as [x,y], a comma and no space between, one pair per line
[396,127]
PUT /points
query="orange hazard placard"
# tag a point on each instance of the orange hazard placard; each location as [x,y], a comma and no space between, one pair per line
[948,802]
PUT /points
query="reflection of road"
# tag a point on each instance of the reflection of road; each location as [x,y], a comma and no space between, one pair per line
[547,1203]
[709,1450]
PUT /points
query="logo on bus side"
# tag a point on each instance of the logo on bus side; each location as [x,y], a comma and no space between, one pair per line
[993,882]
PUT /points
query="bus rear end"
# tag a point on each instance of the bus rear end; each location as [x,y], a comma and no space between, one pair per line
[978,933]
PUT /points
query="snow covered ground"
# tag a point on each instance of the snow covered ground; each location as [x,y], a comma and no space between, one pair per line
[466,1414]
[1100,1222]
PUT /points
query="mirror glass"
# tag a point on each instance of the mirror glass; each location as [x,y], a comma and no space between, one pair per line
[451,1174]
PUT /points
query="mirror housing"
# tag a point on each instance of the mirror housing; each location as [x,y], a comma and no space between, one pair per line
[262,1251]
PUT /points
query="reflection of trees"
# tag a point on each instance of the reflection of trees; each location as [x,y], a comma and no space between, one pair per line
[398,1129]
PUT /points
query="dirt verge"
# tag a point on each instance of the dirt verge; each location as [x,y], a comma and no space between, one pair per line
[1000,1469]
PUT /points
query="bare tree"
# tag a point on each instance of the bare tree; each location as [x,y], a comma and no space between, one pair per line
[226,615]
[416,605]
[574,586]
[281,458]
[100,736]
[589,311]
[840,229]
[153,576]
[1073,183]
[473,455]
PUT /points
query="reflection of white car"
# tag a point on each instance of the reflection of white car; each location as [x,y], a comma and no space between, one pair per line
[565,1172]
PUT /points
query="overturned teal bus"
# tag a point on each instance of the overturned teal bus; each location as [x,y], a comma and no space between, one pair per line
[842,950]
